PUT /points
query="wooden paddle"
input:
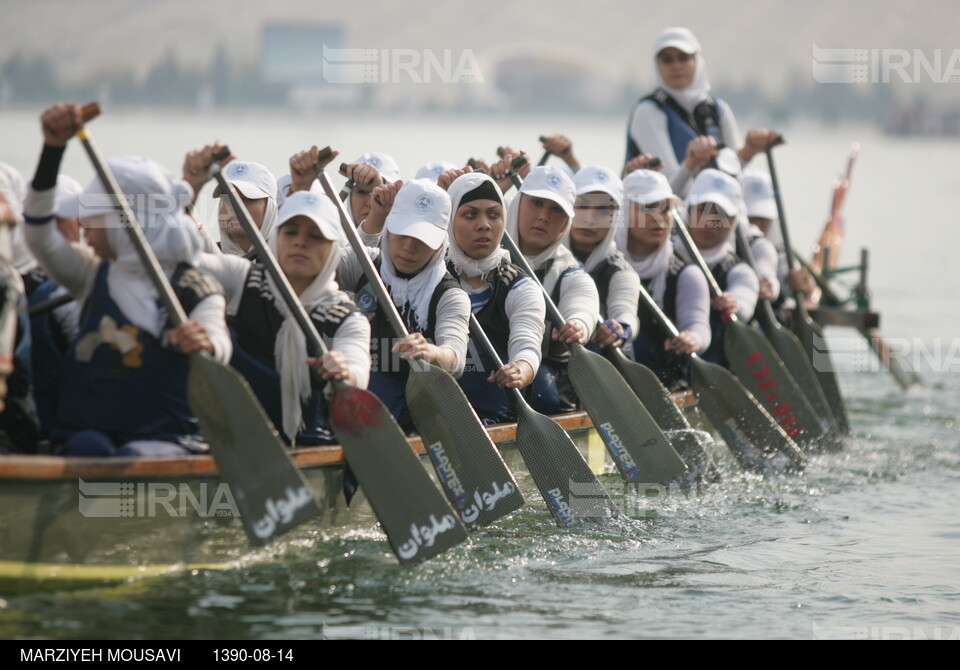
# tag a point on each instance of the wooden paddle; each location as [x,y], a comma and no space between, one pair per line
[788,346]
[417,519]
[271,493]
[808,331]
[465,458]
[759,367]
[639,449]
[572,492]
[753,436]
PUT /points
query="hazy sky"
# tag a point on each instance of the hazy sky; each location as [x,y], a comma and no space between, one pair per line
[749,40]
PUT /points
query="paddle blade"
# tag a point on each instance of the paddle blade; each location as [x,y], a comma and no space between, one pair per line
[814,344]
[756,440]
[790,350]
[759,368]
[650,391]
[472,473]
[638,447]
[572,492]
[417,519]
[271,493]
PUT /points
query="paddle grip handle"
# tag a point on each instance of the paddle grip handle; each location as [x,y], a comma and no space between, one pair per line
[90,111]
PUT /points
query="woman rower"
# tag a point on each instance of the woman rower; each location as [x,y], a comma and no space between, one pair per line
[538,219]
[680,122]
[412,265]
[124,387]
[678,288]
[507,303]
[270,350]
[592,239]
[714,203]
[257,188]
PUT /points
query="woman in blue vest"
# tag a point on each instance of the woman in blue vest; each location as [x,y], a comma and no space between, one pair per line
[270,350]
[507,303]
[678,288]
[124,386]
[680,122]
[538,220]
[413,218]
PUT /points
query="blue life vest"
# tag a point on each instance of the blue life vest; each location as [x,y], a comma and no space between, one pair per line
[120,380]
[49,352]
[681,126]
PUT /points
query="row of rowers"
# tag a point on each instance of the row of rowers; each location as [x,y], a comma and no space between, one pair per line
[116,383]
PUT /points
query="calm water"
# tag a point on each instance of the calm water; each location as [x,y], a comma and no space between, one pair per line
[865,543]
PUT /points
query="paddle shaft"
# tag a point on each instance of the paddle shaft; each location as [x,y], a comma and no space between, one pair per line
[50,304]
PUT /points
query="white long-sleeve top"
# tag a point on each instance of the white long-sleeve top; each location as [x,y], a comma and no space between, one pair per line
[526,312]
[352,337]
[75,266]
[452,327]
[744,285]
[622,298]
[648,129]
[768,262]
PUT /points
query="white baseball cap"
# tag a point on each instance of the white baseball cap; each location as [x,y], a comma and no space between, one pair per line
[316,207]
[719,188]
[433,170]
[599,179]
[552,184]
[386,166]
[253,180]
[422,210]
[758,195]
[647,187]
[678,38]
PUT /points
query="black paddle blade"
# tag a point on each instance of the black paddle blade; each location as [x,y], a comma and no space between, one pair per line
[759,368]
[271,493]
[756,440]
[647,387]
[418,520]
[814,344]
[572,492]
[639,448]
[472,473]
[790,350]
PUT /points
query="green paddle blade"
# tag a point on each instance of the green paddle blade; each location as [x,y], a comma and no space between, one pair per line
[814,344]
[790,350]
[757,442]
[647,387]
[572,492]
[759,368]
[472,473]
[636,444]
[417,519]
[271,493]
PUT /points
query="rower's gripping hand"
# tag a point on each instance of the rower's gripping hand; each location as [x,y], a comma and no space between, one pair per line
[60,122]
[197,164]
[304,166]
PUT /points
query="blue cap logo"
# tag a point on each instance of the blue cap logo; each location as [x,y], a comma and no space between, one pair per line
[423,203]
[719,183]
[238,169]
[374,161]
[756,187]
[553,181]
[601,177]
[310,199]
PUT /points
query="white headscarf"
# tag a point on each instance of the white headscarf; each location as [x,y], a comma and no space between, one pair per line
[563,257]
[290,347]
[599,179]
[699,88]
[472,267]
[266,227]
[386,166]
[653,267]
[158,200]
